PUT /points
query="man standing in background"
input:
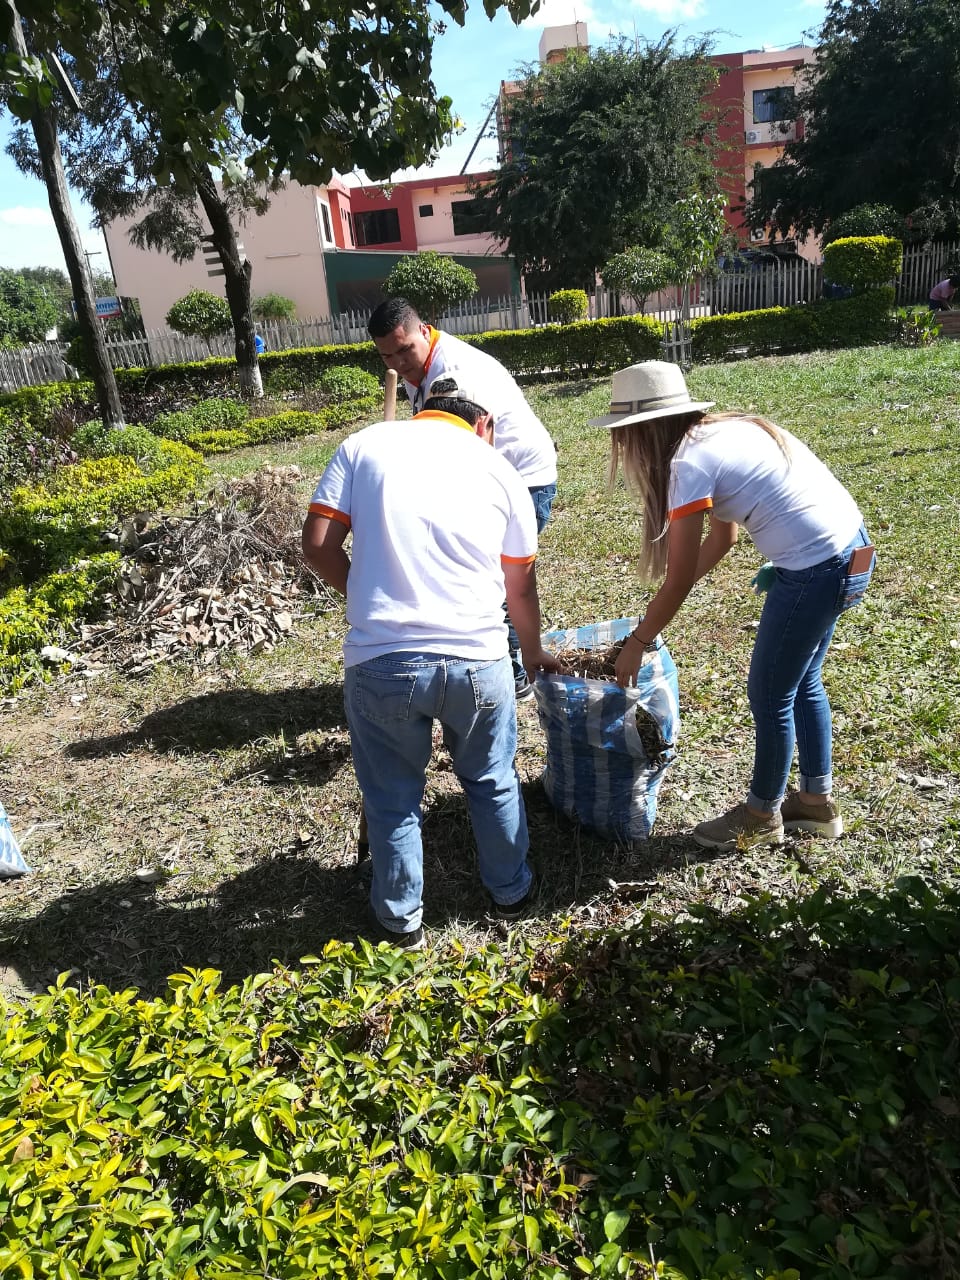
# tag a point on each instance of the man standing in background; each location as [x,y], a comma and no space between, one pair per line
[419,353]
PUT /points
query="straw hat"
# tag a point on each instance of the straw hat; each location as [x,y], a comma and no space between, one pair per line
[651,389]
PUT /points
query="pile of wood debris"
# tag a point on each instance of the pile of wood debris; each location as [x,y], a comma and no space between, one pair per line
[227,576]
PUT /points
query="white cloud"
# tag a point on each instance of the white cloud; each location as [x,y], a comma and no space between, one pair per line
[671,11]
[25,216]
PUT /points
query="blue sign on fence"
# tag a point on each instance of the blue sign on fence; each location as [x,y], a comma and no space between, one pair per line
[107,307]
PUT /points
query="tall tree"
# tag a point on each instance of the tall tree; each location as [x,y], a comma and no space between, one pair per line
[882,119]
[29,84]
[255,93]
[599,147]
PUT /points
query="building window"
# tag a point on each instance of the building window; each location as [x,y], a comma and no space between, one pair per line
[774,104]
[425,211]
[327,225]
[469,217]
[381,226]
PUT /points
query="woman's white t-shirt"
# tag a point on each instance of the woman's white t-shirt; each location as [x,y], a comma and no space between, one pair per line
[791,504]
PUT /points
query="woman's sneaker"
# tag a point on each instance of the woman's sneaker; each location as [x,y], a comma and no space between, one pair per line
[739,829]
[820,819]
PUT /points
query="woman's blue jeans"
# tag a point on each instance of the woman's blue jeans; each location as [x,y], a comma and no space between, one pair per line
[391,704]
[785,686]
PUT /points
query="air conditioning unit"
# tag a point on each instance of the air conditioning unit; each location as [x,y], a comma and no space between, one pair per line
[757,236]
[753,135]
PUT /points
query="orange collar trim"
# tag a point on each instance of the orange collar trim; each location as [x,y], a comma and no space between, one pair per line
[443,417]
[434,339]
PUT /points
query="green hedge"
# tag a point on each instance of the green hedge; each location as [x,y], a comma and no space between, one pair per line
[862,261]
[284,426]
[588,347]
[850,322]
[771,1092]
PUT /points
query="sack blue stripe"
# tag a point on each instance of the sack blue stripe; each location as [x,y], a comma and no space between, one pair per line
[595,770]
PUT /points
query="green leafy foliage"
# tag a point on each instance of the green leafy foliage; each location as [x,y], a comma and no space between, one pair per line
[94,440]
[916,326]
[200,314]
[36,425]
[284,426]
[862,261]
[639,272]
[431,282]
[214,414]
[600,148]
[31,617]
[770,1093]
[27,309]
[867,220]
[568,305]
[274,306]
[858,321]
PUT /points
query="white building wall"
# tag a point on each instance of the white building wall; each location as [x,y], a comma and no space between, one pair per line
[284,247]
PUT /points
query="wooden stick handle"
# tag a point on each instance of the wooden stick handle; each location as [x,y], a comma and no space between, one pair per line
[390,396]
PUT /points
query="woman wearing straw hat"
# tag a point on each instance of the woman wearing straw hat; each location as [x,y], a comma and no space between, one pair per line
[742,470]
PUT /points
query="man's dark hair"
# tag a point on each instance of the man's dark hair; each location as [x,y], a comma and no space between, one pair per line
[464,409]
[390,314]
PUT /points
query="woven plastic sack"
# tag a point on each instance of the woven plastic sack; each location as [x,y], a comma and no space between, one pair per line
[608,748]
[11,859]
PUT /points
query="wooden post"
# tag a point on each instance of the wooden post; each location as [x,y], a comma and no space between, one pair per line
[390,396]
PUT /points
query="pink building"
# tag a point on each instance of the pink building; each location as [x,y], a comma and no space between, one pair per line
[328,248]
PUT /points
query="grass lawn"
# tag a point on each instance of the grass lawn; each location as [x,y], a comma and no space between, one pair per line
[739,1065]
[235,780]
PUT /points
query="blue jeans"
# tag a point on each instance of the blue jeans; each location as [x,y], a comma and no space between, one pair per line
[785,686]
[391,703]
[542,496]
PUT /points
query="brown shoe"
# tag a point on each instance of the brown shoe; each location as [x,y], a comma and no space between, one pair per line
[739,829]
[821,819]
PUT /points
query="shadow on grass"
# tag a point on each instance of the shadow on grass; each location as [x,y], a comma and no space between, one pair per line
[127,933]
[223,719]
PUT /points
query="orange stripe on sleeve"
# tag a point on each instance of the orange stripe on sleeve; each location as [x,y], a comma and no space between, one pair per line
[517,559]
[691,508]
[318,509]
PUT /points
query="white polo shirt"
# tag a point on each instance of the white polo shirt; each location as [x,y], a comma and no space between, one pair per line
[794,508]
[434,512]
[517,431]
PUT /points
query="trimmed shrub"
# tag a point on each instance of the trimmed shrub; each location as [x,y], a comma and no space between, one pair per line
[284,426]
[853,322]
[216,414]
[866,220]
[274,306]
[431,282]
[36,425]
[568,305]
[94,440]
[347,382]
[862,261]
[582,349]
[200,314]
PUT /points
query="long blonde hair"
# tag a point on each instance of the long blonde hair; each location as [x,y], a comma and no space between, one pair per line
[645,450]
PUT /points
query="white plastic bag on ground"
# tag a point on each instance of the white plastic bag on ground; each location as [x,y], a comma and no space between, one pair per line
[11,859]
[608,748]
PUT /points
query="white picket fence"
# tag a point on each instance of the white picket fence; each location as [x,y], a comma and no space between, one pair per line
[775,284]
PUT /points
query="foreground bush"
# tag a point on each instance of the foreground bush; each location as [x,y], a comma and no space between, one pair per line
[772,1095]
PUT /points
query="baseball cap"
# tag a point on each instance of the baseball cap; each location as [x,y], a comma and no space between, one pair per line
[454,384]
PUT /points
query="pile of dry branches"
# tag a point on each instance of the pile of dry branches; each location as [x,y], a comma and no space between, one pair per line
[229,575]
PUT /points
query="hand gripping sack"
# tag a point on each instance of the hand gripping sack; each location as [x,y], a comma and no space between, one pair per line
[11,859]
[608,748]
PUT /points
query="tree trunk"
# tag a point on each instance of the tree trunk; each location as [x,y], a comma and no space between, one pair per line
[236,279]
[44,125]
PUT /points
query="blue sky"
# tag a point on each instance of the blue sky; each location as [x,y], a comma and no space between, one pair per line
[469,63]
